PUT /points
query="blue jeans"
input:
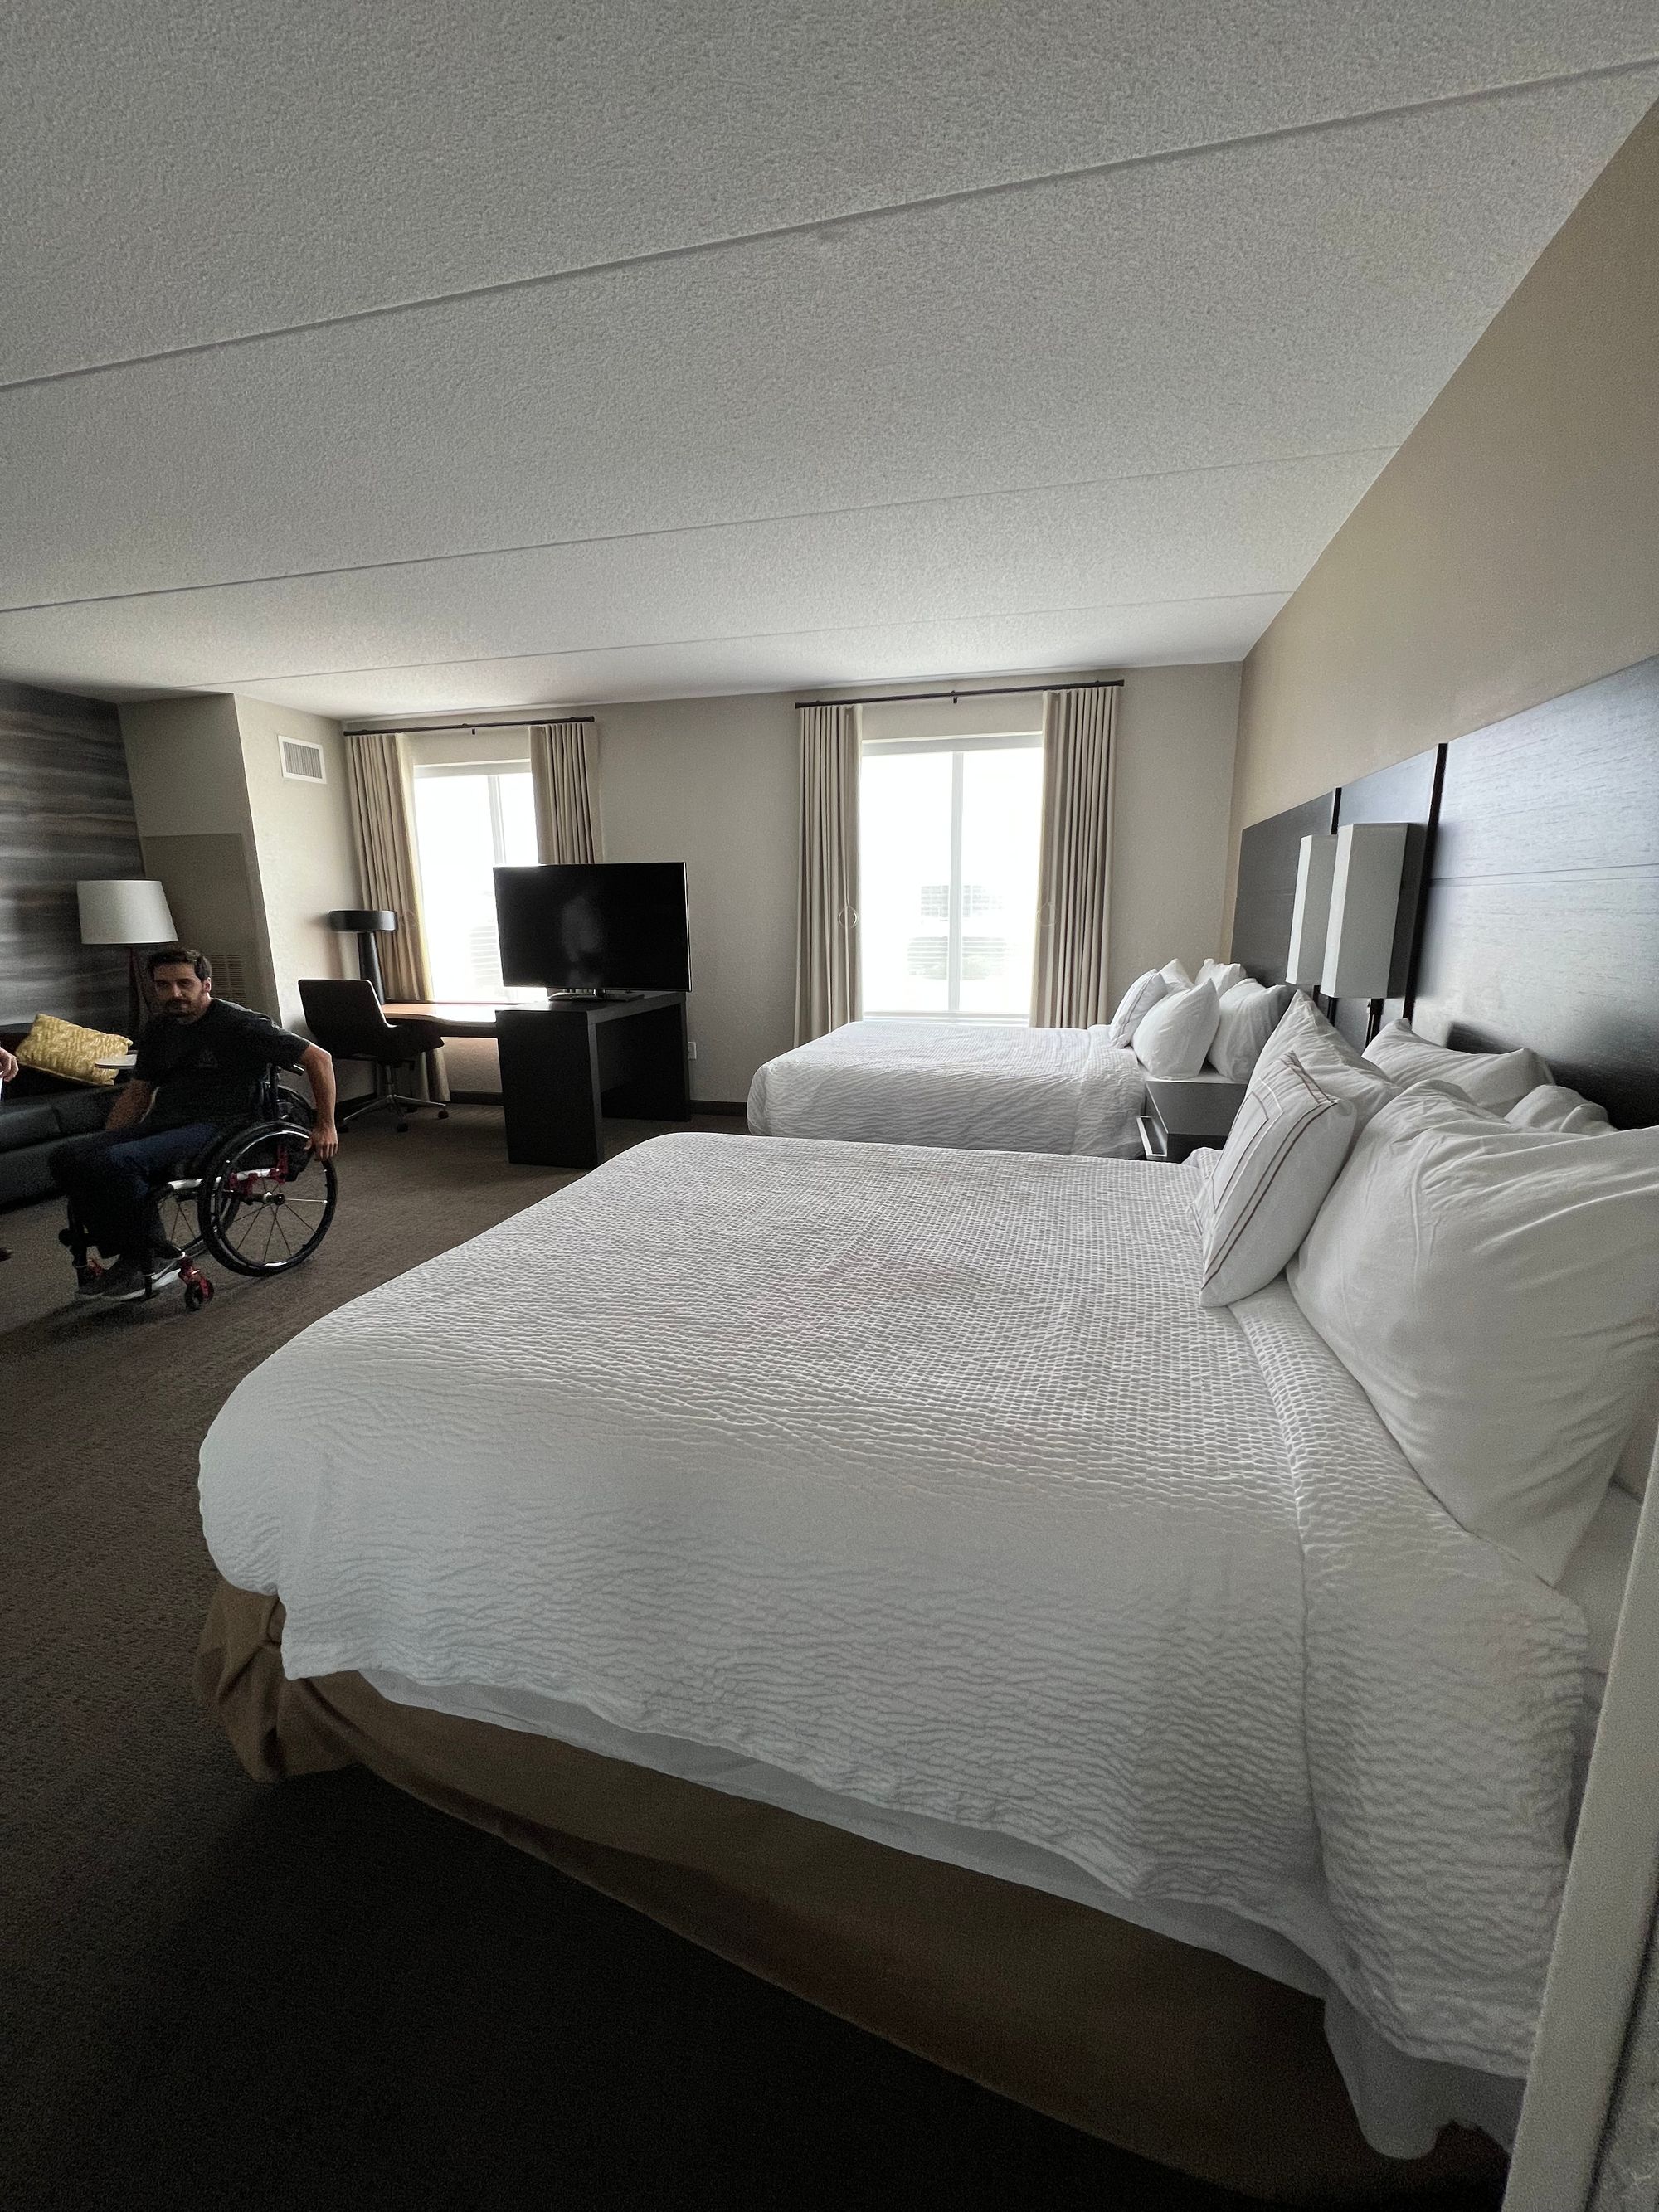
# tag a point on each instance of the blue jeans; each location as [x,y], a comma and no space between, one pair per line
[108,1177]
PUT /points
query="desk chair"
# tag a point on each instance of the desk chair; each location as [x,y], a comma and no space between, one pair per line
[346,1020]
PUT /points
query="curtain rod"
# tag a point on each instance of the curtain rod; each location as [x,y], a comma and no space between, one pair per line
[442,729]
[987,691]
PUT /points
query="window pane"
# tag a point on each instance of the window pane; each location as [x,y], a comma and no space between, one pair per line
[904,872]
[463,829]
[1001,826]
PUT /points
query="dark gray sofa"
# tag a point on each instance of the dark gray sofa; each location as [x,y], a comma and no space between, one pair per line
[37,1112]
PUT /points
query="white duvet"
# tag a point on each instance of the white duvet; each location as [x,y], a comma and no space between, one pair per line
[967,1084]
[923,1477]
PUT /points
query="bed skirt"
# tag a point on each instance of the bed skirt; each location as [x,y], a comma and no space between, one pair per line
[1153,2045]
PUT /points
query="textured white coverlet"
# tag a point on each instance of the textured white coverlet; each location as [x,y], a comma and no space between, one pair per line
[923,1476]
[956,1083]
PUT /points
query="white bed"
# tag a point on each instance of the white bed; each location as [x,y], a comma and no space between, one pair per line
[913,1491]
[956,1083]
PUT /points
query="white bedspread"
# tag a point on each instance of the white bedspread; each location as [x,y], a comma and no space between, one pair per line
[923,1477]
[956,1083]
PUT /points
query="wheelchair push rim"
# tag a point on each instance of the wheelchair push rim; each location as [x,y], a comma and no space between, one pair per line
[266,1200]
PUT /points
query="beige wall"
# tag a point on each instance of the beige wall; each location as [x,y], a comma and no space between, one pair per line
[1509,551]
[302,843]
[190,795]
[1175,780]
[712,782]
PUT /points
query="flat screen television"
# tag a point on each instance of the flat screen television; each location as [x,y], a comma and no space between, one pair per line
[605,926]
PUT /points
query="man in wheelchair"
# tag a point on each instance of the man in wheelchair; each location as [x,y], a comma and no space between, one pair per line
[201,1067]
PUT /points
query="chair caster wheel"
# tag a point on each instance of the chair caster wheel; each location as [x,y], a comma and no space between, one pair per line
[402,1128]
[443,1113]
[193,1301]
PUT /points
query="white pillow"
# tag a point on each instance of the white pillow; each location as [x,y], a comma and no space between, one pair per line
[1175,976]
[1328,1057]
[1223,976]
[1173,1039]
[1250,1012]
[1142,995]
[1496,1293]
[1497,1079]
[1553,1106]
[1286,1147]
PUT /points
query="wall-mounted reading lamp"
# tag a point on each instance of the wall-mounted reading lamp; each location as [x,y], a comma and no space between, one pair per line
[1347,913]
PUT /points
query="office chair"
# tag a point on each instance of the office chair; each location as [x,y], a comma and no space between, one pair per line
[345,1018]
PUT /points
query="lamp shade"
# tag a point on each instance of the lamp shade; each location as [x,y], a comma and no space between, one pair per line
[1365,909]
[362,917]
[123,910]
[1310,917]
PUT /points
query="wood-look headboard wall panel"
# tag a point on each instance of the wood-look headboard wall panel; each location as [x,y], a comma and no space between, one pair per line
[1265,897]
[65,811]
[1542,920]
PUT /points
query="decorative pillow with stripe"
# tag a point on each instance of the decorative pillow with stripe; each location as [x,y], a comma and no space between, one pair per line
[1142,995]
[1289,1141]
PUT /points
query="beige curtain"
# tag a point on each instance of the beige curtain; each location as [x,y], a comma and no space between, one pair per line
[566,815]
[827,935]
[386,855]
[1068,982]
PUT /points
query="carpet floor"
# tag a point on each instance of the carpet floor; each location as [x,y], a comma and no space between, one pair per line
[327,1995]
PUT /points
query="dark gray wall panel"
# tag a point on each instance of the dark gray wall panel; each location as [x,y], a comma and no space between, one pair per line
[65,812]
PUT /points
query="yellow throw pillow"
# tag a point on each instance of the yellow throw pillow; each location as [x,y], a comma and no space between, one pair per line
[63,1048]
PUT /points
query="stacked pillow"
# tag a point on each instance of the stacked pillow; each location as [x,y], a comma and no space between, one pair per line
[1174,1038]
[1142,995]
[1495,1292]
[1222,974]
[1499,1080]
[1553,1106]
[1250,1012]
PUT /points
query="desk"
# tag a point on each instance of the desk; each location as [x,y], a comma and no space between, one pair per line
[567,1065]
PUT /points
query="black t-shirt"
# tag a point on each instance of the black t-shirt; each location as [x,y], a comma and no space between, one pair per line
[210,1070]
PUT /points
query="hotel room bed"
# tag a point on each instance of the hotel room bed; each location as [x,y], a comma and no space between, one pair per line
[870,1559]
[965,1084]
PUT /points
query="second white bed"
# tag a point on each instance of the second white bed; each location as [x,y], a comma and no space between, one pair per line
[957,1084]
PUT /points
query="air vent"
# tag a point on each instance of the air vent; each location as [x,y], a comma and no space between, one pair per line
[301,763]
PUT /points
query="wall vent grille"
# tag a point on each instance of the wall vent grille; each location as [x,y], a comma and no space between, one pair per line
[301,763]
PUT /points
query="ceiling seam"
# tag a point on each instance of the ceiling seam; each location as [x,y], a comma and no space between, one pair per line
[688,529]
[747,637]
[927,202]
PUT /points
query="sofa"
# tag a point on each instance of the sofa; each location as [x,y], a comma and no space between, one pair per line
[37,1112]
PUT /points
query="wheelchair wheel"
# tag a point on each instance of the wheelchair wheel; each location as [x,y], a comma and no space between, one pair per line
[266,1200]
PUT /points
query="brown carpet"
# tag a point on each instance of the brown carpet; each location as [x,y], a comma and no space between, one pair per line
[325,1995]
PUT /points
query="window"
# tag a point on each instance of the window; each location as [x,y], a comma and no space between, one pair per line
[469,820]
[948,840]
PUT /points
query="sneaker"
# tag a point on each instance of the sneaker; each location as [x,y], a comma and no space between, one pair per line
[124,1281]
[88,1281]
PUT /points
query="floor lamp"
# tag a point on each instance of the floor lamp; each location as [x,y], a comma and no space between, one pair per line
[129,910]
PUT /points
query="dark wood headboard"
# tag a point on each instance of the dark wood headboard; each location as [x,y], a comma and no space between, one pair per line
[1265,897]
[1540,925]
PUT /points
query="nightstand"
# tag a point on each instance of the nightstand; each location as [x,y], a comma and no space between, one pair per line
[1183,1115]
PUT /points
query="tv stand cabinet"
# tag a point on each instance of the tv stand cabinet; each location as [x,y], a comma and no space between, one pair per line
[566,1067]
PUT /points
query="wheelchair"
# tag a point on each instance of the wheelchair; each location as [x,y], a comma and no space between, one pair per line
[257,1201]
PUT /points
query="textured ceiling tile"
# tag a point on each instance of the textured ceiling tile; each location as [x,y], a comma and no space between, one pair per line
[1099,637]
[1304,295]
[173,173]
[1216,536]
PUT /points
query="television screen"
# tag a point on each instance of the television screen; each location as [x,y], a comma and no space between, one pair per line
[618,926]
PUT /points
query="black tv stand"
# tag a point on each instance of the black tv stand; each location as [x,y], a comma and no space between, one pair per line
[565,1067]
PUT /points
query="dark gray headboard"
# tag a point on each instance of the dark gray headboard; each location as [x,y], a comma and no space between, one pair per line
[1540,924]
[1262,905]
